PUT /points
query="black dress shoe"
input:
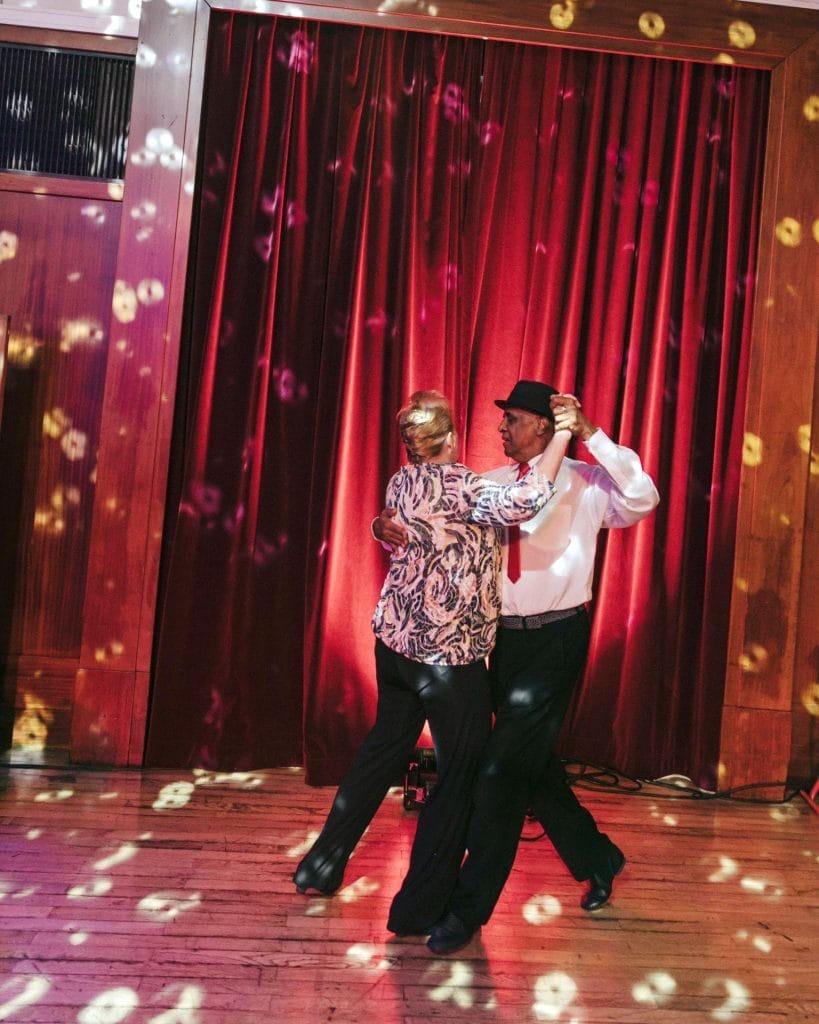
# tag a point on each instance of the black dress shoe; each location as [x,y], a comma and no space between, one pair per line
[327,885]
[600,884]
[451,934]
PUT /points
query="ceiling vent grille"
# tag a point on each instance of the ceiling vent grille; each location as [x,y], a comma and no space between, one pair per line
[64,112]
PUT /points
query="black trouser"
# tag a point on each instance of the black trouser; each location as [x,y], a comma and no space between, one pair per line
[455,700]
[533,675]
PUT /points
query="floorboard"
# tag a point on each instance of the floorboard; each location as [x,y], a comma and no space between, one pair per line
[167,898]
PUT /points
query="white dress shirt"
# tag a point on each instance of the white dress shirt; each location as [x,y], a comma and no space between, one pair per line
[557,546]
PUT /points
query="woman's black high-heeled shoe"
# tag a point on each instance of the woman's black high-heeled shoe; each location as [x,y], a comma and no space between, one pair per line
[306,881]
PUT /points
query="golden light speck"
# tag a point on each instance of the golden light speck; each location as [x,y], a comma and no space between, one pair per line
[80,332]
[724,58]
[789,232]
[31,725]
[742,584]
[144,371]
[752,450]
[810,699]
[115,190]
[122,345]
[8,245]
[741,35]
[55,423]
[49,521]
[651,24]
[784,518]
[122,432]
[111,504]
[110,652]
[561,15]
[811,108]
[22,350]
[803,437]
[815,230]
[754,659]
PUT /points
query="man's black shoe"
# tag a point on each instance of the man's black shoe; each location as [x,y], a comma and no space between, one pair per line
[322,883]
[600,885]
[451,935]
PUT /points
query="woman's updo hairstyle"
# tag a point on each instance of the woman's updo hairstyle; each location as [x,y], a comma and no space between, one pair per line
[424,422]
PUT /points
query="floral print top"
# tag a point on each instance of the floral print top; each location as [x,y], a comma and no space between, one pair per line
[441,598]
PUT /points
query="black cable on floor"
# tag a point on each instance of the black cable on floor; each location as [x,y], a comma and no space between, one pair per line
[591,776]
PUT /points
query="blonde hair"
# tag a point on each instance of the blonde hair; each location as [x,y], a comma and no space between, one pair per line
[424,423]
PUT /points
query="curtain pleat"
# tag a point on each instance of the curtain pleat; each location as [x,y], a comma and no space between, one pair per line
[379,211]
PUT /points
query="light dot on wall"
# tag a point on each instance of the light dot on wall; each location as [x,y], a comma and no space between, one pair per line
[146,56]
[754,659]
[55,422]
[741,35]
[124,303]
[150,291]
[789,232]
[8,245]
[651,24]
[811,108]
[561,15]
[751,450]
[810,699]
[159,140]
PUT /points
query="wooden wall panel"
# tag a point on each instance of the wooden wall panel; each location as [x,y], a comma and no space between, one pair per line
[774,632]
[4,334]
[56,274]
[103,716]
[151,261]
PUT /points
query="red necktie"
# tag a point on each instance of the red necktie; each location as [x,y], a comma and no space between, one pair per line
[513,552]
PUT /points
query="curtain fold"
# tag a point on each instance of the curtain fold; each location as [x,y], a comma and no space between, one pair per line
[380,211]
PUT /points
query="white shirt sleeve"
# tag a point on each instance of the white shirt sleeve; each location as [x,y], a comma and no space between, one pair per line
[630,490]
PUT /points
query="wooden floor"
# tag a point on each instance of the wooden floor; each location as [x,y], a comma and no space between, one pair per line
[166,897]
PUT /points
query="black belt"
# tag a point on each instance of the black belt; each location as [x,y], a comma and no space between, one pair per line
[536,621]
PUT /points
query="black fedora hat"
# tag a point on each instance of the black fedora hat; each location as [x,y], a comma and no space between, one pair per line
[530,395]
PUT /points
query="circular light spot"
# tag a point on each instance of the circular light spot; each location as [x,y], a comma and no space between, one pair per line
[752,450]
[810,699]
[651,24]
[789,232]
[811,108]
[561,15]
[741,35]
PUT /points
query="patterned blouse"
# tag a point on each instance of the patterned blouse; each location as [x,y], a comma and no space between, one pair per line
[441,599]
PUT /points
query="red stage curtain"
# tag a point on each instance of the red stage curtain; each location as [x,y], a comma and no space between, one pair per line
[380,211]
